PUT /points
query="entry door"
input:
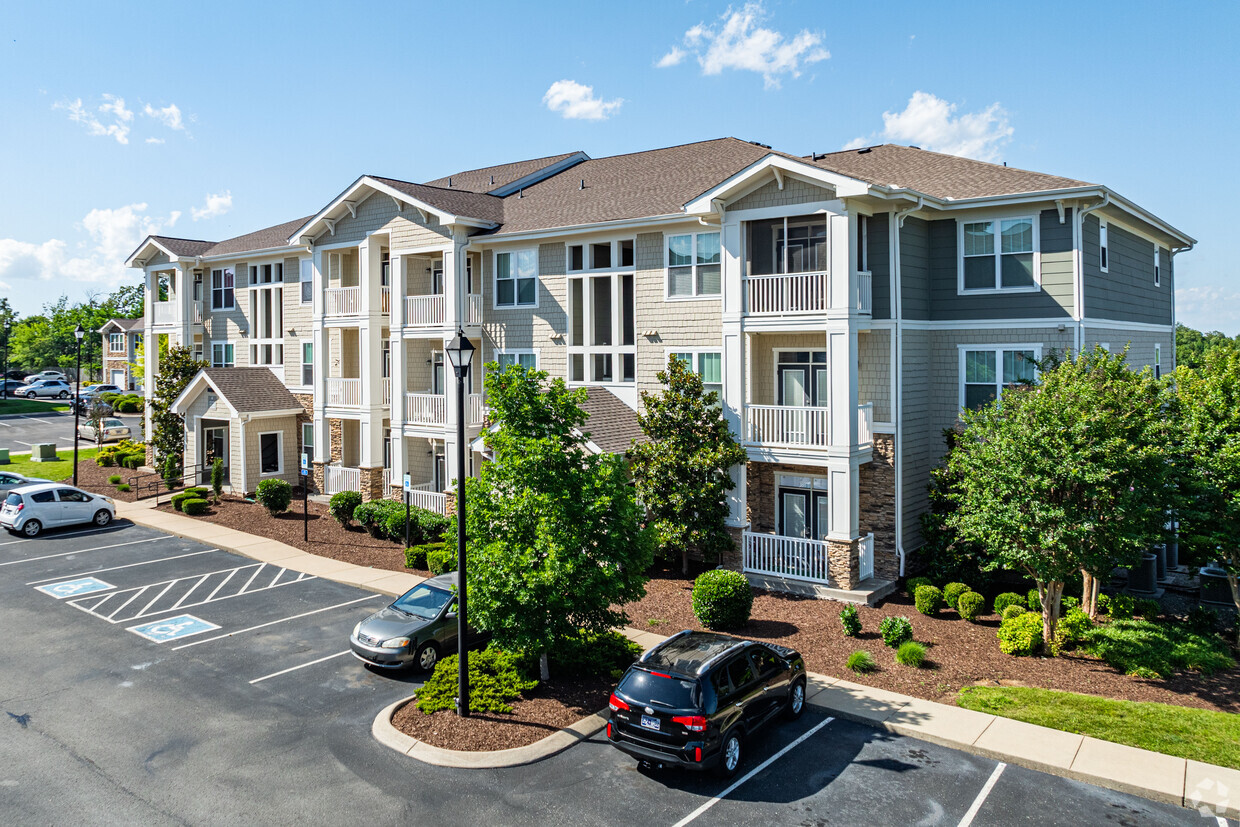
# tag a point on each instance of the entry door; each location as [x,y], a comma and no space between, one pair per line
[437,280]
[441,476]
[437,374]
[803,513]
[214,446]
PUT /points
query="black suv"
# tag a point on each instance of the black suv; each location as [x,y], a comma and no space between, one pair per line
[692,700]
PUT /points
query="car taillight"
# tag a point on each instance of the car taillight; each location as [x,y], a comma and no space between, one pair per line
[609,729]
[693,723]
[616,704]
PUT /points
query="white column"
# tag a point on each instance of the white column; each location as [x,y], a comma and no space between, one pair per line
[322,434]
[734,400]
[400,461]
[370,357]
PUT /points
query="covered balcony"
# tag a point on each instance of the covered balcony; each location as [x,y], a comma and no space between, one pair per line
[796,426]
[431,409]
[789,270]
[798,558]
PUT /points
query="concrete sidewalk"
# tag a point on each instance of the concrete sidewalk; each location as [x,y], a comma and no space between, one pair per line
[1214,790]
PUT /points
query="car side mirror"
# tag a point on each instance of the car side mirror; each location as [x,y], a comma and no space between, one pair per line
[450,616]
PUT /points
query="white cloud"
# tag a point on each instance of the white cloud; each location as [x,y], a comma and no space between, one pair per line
[154,140]
[574,100]
[738,41]
[932,123]
[169,116]
[113,108]
[1208,307]
[217,204]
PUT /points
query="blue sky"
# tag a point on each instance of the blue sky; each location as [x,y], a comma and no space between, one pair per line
[211,120]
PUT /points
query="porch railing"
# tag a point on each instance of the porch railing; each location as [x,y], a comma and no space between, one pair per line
[342,301]
[865,558]
[425,496]
[788,293]
[387,390]
[164,312]
[344,392]
[423,311]
[338,478]
[865,424]
[787,425]
[424,408]
[791,557]
[865,292]
[385,299]
[473,308]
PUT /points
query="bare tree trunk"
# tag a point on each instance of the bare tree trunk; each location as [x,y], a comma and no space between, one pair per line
[684,561]
[544,669]
[1087,593]
[1235,598]
[1050,593]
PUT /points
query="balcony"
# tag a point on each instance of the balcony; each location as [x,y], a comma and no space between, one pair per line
[800,293]
[344,393]
[387,390]
[385,300]
[164,313]
[342,301]
[431,409]
[788,426]
[423,311]
[473,309]
[425,496]
[797,558]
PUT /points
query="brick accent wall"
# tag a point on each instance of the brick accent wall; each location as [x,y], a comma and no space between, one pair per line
[372,484]
[843,563]
[877,506]
[335,429]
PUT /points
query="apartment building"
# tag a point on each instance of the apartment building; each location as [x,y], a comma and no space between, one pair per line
[121,340]
[845,305]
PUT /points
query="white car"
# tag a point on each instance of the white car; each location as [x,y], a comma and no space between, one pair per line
[46,374]
[31,509]
[48,388]
[113,428]
[10,480]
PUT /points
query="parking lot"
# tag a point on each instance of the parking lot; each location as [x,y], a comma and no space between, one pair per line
[155,679]
[20,432]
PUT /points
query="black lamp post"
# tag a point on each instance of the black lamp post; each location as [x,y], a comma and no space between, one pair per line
[461,352]
[4,380]
[78,333]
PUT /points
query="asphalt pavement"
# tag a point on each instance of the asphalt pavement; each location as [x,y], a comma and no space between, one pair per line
[153,679]
[19,433]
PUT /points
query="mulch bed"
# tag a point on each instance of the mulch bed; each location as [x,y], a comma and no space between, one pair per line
[959,653]
[94,478]
[548,708]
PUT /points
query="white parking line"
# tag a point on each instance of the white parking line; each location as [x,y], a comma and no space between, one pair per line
[274,622]
[295,668]
[693,815]
[81,551]
[70,534]
[981,796]
[35,419]
[19,442]
[126,566]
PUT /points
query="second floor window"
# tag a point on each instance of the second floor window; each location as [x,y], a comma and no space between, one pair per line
[708,364]
[307,281]
[986,371]
[116,342]
[693,265]
[524,358]
[516,279]
[998,255]
[307,363]
[221,355]
[222,289]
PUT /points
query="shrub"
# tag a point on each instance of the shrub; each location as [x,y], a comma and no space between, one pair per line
[590,655]
[367,516]
[197,491]
[342,506]
[1104,604]
[416,556]
[1008,599]
[1015,610]
[850,618]
[1068,603]
[970,605]
[124,486]
[1032,602]
[913,583]
[1021,635]
[274,495]
[105,460]
[194,506]
[1122,607]
[1072,629]
[440,559]
[394,524]
[178,500]
[217,478]
[861,662]
[911,653]
[432,526]
[895,630]
[929,600]
[952,592]
[134,461]
[1202,620]
[722,599]
[494,680]
[1148,608]
[114,479]
[1139,647]
[171,470]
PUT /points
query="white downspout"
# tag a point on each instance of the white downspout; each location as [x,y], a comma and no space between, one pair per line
[1079,288]
[897,222]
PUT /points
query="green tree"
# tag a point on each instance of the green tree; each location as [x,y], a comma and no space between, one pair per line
[682,473]
[128,302]
[1069,474]
[1209,418]
[168,428]
[555,537]
[1192,346]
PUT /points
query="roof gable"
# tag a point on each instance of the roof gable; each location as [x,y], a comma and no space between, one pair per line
[244,391]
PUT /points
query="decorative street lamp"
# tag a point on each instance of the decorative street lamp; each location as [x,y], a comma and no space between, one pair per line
[78,333]
[461,352]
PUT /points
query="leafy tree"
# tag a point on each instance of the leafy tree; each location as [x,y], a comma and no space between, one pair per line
[555,537]
[128,301]
[682,473]
[1066,475]
[168,429]
[1192,346]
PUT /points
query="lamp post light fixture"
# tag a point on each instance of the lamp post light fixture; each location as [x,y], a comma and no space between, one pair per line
[461,352]
[78,333]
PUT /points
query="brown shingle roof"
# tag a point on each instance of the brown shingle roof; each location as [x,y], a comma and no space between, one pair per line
[458,202]
[937,174]
[612,425]
[263,239]
[183,246]
[490,178]
[251,390]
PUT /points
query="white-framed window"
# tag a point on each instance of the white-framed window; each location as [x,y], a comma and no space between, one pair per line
[693,265]
[1103,257]
[307,439]
[601,255]
[863,243]
[708,364]
[307,281]
[999,254]
[307,362]
[266,273]
[1157,266]
[198,353]
[985,370]
[602,328]
[1157,360]
[525,358]
[116,342]
[270,453]
[516,279]
[385,359]
[223,285]
[222,355]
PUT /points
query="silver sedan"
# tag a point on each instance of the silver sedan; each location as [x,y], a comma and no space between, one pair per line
[111,427]
[10,480]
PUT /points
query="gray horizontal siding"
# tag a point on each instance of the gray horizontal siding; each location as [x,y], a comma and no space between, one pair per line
[879,250]
[915,269]
[1126,292]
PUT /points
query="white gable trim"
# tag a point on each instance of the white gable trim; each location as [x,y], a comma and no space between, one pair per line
[138,259]
[762,171]
[196,386]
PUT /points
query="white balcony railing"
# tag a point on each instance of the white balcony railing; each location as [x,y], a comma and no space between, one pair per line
[342,301]
[865,558]
[385,299]
[425,496]
[424,311]
[431,409]
[338,478]
[791,557]
[865,292]
[164,313]
[787,425]
[865,424]
[475,409]
[788,293]
[473,308]
[344,392]
[387,390]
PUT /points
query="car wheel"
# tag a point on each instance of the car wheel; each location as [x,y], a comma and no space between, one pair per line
[427,657]
[32,528]
[731,755]
[796,701]
[32,395]
[103,517]
[62,395]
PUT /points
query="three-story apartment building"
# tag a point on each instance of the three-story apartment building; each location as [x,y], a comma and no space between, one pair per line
[846,306]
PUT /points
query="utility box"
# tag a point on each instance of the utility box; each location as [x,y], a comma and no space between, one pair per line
[4,456]
[1143,577]
[43,452]
[1215,590]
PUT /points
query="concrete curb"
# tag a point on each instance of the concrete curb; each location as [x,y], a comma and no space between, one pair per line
[554,743]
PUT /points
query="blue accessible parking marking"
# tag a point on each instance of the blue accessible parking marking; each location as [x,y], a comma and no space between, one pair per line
[75,588]
[173,628]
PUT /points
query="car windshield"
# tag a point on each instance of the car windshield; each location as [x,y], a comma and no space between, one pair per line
[113,423]
[423,601]
[659,690]
[13,499]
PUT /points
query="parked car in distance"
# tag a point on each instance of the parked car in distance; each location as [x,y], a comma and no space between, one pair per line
[90,393]
[694,700]
[416,629]
[9,386]
[112,428]
[45,374]
[48,388]
[10,480]
[19,375]
[31,509]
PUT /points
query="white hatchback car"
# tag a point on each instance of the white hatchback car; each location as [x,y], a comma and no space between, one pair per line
[30,509]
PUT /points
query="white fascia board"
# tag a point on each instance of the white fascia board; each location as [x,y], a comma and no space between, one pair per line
[843,185]
[135,260]
[253,415]
[654,221]
[195,387]
[249,254]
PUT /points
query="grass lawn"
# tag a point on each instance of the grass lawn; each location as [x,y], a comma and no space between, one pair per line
[55,471]
[25,406]
[1199,734]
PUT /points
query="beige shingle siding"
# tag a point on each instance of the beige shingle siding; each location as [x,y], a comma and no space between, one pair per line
[795,191]
[1140,345]
[407,230]
[682,324]
[225,325]
[874,372]
[157,259]
[1126,292]
[418,364]
[372,214]
[525,328]
[289,428]
[298,317]
[762,356]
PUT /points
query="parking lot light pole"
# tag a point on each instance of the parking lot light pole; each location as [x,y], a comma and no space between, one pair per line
[78,333]
[4,380]
[461,353]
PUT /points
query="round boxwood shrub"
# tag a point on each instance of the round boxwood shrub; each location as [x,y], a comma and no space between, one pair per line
[850,619]
[1015,610]
[343,505]
[929,600]
[1032,602]
[178,500]
[861,662]
[194,506]
[895,630]
[913,583]
[441,559]
[1008,599]
[970,605]
[124,486]
[1072,629]
[911,653]
[1021,635]
[952,591]
[114,479]
[273,495]
[722,599]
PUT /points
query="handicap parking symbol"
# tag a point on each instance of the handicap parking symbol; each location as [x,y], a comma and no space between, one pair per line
[75,588]
[172,628]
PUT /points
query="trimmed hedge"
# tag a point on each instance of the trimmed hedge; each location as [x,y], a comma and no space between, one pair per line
[1015,610]
[928,599]
[970,605]
[494,680]
[134,461]
[1021,635]
[722,599]
[342,506]
[914,583]
[440,559]
[178,500]
[952,592]
[416,556]
[1008,599]
[274,495]
[194,506]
